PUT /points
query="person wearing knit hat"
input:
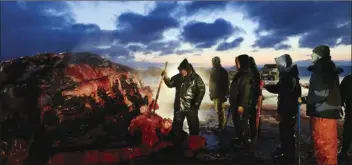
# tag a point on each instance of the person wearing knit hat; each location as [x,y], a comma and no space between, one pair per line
[321,51]
[218,90]
[324,105]
[190,90]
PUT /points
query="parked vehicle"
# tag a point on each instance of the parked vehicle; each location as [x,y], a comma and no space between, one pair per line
[270,73]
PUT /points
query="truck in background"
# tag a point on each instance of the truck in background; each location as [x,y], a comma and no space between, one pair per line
[269,73]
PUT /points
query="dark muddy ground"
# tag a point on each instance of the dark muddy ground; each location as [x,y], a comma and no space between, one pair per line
[267,142]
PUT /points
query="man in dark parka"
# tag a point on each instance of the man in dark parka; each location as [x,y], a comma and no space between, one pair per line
[289,90]
[190,90]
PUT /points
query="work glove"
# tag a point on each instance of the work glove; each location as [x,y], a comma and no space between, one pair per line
[195,107]
[211,97]
[163,73]
[240,110]
[304,100]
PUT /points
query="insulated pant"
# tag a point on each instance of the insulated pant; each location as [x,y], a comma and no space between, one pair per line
[347,134]
[245,124]
[324,135]
[287,136]
[219,108]
[192,120]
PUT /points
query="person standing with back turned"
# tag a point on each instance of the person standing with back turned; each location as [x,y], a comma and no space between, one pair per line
[218,90]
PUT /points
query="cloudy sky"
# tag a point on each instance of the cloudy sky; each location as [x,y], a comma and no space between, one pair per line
[146,32]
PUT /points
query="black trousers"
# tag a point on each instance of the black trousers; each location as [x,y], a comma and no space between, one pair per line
[245,126]
[192,120]
[287,136]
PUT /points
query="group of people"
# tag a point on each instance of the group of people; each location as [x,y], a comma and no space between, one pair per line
[324,102]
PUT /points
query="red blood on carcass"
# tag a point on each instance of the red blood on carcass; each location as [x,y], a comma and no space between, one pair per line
[166,126]
[77,81]
[108,157]
[130,153]
[196,142]
[66,158]
[162,145]
[90,157]
[18,153]
[57,159]
[148,124]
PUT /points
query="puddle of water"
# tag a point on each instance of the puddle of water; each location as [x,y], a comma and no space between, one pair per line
[212,141]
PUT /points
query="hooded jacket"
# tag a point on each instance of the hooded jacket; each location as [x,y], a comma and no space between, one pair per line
[242,86]
[324,98]
[288,87]
[218,82]
[190,90]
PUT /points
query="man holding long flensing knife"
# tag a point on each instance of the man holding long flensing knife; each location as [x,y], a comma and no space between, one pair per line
[190,90]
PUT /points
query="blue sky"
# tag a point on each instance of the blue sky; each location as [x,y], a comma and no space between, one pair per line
[142,33]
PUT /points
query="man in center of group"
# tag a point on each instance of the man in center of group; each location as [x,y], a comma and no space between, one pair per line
[190,90]
[241,101]
[218,90]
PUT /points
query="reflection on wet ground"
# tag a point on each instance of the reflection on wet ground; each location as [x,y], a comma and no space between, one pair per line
[267,142]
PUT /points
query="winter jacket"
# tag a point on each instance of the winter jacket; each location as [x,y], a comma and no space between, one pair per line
[242,86]
[218,83]
[324,98]
[346,96]
[288,87]
[190,90]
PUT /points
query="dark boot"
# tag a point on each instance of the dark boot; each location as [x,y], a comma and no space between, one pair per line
[287,138]
[277,155]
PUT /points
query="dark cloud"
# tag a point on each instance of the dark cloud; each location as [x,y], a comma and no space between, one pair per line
[327,36]
[204,45]
[29,28]
[205,35]
[135,48]
[230,45]
[181,52]
[164,48]
[318,21]
[282,47]
[133,27]
[164,8]
[268,41]
[198,6]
